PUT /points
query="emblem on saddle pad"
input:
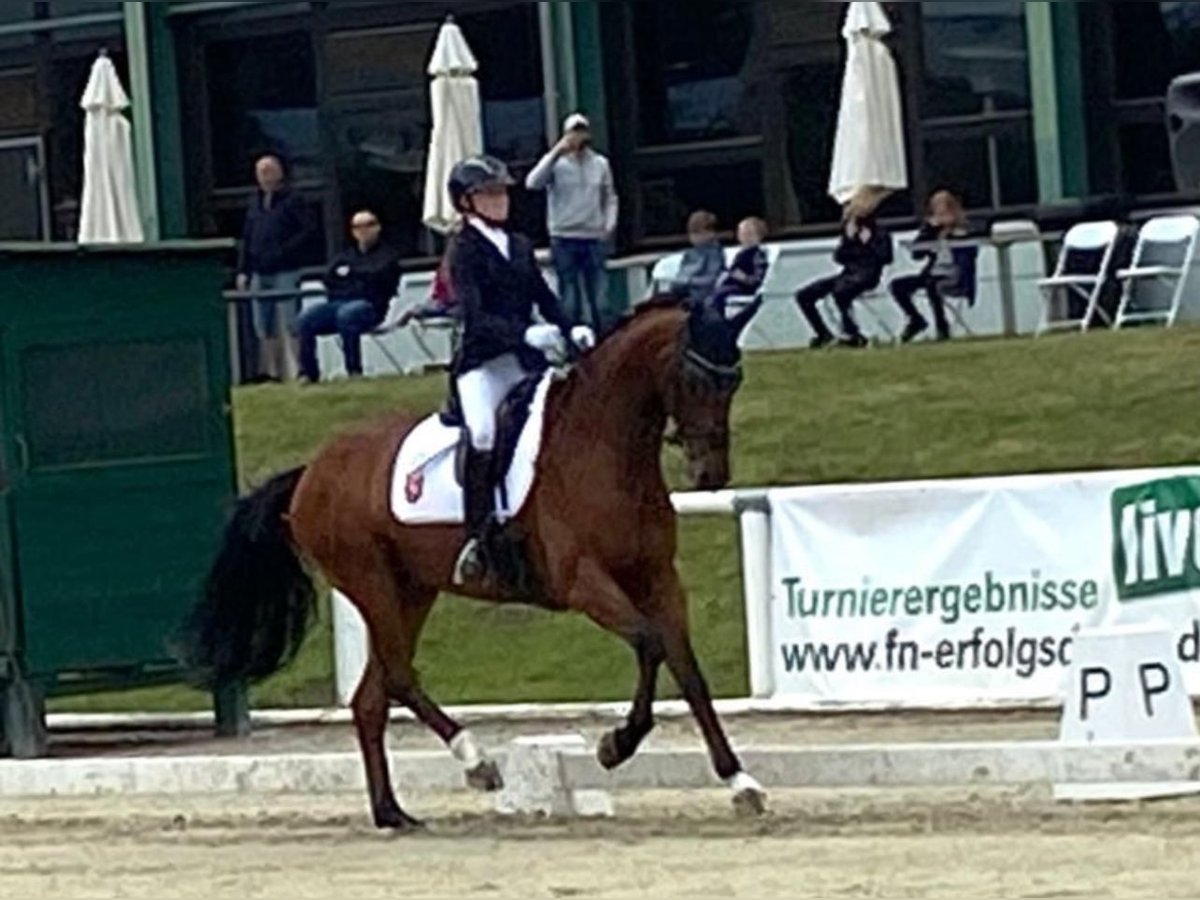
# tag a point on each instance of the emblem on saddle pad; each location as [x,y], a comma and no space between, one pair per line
[414,486]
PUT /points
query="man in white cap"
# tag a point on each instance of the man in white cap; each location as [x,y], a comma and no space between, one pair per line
[582,210]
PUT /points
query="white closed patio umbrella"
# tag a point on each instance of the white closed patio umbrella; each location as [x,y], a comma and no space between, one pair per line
[869,151]
[109,210]
[457,128]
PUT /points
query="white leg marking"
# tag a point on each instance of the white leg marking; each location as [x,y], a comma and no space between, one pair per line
[741,782]
[465,750]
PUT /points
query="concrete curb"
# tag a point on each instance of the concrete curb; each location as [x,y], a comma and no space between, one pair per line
[910,765]
[326,773]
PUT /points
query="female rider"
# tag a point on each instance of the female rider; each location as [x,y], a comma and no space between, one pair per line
[497,282]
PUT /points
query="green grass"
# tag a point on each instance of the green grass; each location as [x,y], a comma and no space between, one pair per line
[1072,402]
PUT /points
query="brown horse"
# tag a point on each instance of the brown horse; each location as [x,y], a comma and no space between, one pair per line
[600,536]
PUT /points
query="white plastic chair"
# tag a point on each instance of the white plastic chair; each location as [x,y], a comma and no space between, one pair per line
[664,272]
[1165,250]
[1098,241]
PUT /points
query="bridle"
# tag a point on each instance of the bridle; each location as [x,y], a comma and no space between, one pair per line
[720,377]
[716,376]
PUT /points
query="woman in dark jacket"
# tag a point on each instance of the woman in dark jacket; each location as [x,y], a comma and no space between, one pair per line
[497,284]
[864,251]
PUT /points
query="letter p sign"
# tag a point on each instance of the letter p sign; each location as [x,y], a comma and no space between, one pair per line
[1154,679]
[1126,685]
[1095,684]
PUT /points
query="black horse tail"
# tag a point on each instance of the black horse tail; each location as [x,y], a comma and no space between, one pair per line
[258,600]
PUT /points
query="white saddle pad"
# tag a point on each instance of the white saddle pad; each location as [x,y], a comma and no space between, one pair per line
[424,488]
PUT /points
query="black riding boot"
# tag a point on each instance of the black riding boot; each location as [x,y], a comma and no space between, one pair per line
[480,501]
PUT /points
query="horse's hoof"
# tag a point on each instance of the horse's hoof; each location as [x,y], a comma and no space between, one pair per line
[398,821]
[485,777]
[608,753]
[750,803]
[749,798]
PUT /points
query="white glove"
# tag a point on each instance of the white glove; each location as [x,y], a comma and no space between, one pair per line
[583,337]
[546,338]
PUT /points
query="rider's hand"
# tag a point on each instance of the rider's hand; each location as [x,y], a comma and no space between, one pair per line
[243,282]
[545,338]
[583,337]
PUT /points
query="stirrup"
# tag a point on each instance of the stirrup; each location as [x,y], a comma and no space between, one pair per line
[471,564]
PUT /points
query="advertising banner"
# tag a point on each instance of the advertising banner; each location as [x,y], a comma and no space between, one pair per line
[961,593]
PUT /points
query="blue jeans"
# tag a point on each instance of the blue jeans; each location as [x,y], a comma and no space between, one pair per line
[349,319]
[579,265]
[275,318]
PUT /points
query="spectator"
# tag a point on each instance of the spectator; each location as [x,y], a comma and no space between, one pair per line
[945,220]
[703,263]
[440,304]
[864,251]
[748,271]
[582,212]
[360,284]
[276,231]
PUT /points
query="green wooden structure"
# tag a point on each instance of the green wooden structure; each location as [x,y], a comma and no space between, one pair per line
[116,465]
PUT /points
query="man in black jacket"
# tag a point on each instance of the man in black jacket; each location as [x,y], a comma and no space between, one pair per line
[360,284]
[277,230]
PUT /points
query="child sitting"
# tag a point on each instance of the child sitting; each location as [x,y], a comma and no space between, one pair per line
[745,275]
[703,263]
[944,221]
[864,251]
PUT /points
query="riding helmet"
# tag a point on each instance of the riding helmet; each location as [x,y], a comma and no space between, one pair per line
[476,173]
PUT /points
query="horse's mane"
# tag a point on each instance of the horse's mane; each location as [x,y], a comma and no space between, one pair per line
[654,304]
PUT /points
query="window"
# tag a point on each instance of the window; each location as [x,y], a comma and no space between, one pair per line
[508,46]
[18,100]
[1152,43]
[812,93]
[379,117]
[63,8]
[262,98]
[976,112]
[1155,42]
[690,55]
[77,409]
[976,58]
[16,11]
[731,192]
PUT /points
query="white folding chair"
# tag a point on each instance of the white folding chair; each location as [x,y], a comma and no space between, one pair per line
[1166,247]
[664,272]
[1081,273]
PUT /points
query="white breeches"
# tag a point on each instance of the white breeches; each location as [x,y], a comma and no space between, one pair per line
[482,390]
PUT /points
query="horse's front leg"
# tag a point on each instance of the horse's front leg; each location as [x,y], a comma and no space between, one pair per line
[749,798]
[620,744]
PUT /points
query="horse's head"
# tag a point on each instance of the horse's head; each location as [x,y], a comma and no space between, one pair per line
[700,391]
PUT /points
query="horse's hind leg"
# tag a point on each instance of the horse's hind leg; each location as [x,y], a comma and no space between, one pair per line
[370,707]
[396,631]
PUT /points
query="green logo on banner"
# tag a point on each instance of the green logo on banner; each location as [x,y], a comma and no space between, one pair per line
[1156,538]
